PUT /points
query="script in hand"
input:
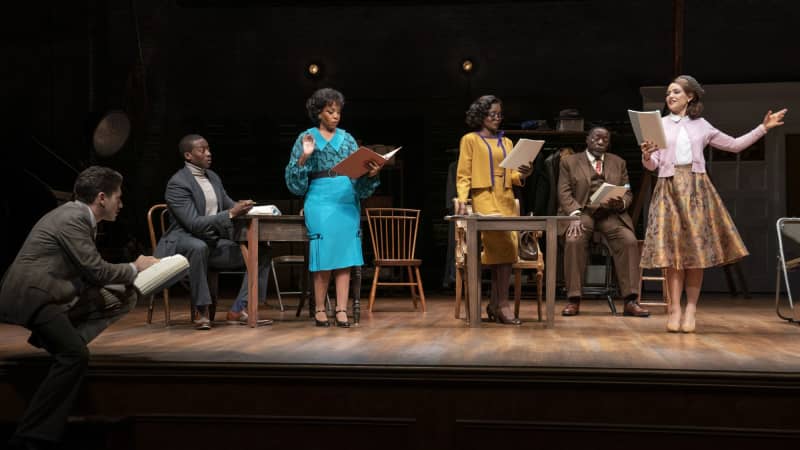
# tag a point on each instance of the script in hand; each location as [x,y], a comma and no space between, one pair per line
[355,165]
[647,127]
[523,153]
[607,191]
[163,274]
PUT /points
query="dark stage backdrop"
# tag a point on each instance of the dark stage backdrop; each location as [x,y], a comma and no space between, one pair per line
[234,72]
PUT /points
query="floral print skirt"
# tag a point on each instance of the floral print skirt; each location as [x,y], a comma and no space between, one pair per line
[688,226]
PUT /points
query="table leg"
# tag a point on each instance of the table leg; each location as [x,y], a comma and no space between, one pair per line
[251,261]
[473,275]
[551,249]
[355,292]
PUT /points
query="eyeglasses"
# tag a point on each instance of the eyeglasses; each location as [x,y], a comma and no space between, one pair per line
[495,115]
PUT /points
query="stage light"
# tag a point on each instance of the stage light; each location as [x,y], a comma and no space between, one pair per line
[467,66]
[314,69]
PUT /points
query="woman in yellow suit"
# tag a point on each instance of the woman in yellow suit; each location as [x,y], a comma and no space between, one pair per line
[480,177]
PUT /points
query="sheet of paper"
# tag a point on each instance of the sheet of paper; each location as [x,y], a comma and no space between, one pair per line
[389,155]
[647,127]
[607,191]
[523,153]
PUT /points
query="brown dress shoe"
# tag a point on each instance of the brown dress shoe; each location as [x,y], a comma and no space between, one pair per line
[633,309]
[572,309]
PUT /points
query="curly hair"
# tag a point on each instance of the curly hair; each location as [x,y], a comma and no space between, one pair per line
[479,110]
[320,99]
[690,86]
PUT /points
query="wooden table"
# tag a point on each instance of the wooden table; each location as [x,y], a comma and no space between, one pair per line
[475,224]
[251,229]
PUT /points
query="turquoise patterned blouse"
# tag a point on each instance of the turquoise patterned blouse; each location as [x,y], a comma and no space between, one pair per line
[326,155]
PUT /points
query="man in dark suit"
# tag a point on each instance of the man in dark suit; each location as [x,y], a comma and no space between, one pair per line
[53,288]
[202,229]
[580,175]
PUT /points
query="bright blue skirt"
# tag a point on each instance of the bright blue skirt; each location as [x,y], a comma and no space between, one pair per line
[333,219]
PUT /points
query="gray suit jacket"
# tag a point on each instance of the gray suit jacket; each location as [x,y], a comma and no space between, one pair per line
[55,261]
[187,205]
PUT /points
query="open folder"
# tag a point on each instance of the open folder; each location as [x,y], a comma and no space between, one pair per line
[647,127]
[607,191]
[523,153]
[356,165]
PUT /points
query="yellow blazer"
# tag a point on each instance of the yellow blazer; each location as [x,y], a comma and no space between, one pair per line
[473,165]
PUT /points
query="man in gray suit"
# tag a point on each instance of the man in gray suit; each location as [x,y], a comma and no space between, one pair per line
[202,229]
[53,289]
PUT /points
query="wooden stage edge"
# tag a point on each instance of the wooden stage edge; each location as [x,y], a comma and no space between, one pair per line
[408,380]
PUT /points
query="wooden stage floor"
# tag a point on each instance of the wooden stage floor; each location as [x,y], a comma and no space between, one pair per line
[733,335]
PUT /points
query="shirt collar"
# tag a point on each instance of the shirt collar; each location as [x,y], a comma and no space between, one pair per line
[91,214]
[335,142]
[675,118]
[196,170]
[592,158]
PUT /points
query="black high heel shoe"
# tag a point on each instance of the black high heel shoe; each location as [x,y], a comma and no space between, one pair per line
[502,318]
[321,323]
[345,324]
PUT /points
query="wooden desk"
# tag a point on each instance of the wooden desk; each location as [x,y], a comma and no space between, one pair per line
[252,229]
[475,224]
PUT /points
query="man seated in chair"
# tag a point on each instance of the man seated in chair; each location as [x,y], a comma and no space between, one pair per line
[202,228]
[580,175]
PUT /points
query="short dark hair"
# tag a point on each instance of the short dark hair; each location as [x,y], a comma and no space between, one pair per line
[479,110]
[320,99]
[94,180]
[187,143]
[691,86]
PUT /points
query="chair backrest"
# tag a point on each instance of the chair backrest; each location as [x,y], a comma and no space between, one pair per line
[393,232]
[160,213]
[788,230]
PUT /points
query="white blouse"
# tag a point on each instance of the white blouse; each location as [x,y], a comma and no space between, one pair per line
[683,146]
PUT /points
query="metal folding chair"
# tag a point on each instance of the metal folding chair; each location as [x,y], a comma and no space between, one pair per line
[788,231]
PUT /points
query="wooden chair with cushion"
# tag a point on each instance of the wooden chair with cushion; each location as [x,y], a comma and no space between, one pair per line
[393,232]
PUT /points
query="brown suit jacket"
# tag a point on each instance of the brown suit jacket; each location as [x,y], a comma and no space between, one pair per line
[57,260]
[575,181]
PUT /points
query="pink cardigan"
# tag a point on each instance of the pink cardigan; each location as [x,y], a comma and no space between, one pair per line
[701,133]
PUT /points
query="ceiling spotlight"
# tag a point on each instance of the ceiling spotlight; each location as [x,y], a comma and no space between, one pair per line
[467,66]
[314,69]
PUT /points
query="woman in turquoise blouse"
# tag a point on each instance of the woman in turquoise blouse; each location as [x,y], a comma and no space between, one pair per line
[332,208]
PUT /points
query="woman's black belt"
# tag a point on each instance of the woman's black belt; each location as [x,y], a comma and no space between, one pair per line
[322,174]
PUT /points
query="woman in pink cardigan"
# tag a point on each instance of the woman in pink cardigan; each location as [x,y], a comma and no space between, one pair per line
[689,228]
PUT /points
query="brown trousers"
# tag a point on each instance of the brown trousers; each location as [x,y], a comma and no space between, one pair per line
[624,250]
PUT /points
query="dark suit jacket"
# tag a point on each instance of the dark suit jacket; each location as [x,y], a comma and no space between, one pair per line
[58,257]
[187,205]
[575,181]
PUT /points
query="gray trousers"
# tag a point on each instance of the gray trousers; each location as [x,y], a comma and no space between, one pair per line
[65,333]
[225,255]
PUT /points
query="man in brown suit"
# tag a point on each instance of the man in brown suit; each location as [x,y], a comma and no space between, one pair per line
[580,175]
[53,288]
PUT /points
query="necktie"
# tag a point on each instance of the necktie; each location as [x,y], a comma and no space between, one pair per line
[598,166]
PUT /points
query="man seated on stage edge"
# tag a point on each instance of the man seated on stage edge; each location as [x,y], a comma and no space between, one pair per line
[580,175]
[201,229]
[53,288]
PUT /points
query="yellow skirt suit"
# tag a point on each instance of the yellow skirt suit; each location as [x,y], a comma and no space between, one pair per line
[480,177]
